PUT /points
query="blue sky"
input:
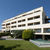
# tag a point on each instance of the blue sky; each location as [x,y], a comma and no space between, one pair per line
[11,8]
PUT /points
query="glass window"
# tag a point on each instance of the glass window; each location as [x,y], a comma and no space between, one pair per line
[38,30]
[37,17]
[36,23]
[30,18]
[29,24]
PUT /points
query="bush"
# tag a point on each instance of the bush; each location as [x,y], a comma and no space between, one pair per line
[14,33]
[27,34]
[5,34]
[0,34]
[17,33]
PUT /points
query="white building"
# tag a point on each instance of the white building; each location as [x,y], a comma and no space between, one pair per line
[0,31]
[35,19]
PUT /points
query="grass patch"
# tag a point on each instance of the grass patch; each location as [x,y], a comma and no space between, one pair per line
[18,45]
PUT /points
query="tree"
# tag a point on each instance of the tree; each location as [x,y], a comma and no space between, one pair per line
[17,33]
[28,34]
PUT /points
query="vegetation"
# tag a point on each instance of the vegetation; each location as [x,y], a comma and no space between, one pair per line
[17,33]
[18,45]
[5,34]
[27,34]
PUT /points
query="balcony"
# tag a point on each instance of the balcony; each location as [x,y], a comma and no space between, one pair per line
[36,23]
[7,24]
[22,25]
[36,17]
[31,18]
[30,24]
[3,24]
[13,22]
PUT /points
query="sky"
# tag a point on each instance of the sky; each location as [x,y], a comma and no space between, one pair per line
[11,8]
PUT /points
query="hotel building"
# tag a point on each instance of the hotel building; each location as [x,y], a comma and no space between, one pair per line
[35,19]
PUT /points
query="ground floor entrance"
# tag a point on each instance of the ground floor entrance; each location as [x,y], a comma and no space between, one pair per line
[44,37]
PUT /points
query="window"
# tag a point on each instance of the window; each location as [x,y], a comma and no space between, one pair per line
[37,17]
[8,24]
[15,18]
[29,24]
[23,20]
[3,27]
[37,30]
[3,24]
[23,24]
[13,22]
[46,30]
[28,14]
[30,18]
[19,25]
[13,27]
[24,15]
[19,21]
[37,11]
[36,23]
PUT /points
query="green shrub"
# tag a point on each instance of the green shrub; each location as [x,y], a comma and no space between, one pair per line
[17,33]
[0,34]
[27,34]
[4,34]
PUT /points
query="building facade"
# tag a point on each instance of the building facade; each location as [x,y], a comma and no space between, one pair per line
[35,19]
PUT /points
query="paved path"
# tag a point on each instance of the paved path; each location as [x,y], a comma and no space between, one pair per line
[9,39]
[40,44]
